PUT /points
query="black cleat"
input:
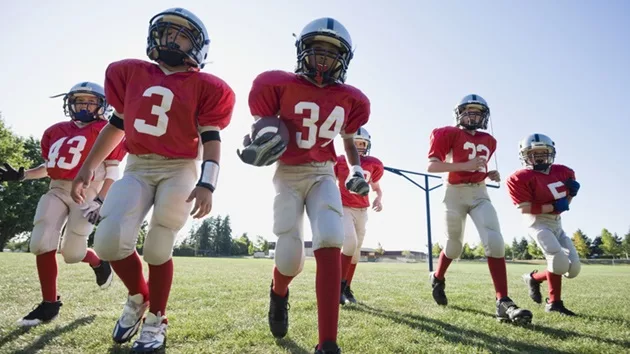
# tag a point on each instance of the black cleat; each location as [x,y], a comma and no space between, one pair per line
[42,313]
[278,314]
[558,306]
[327,348]
[507,311]
[534,287]
[438,289]
[104,275]
[342,297]
[349,294]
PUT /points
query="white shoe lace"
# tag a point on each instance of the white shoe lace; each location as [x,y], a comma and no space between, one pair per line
[153,329]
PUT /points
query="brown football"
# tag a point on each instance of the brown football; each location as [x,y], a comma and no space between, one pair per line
[272,125]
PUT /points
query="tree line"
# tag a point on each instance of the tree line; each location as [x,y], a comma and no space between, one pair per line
[604,245]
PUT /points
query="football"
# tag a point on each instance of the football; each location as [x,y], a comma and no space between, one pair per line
[265,125]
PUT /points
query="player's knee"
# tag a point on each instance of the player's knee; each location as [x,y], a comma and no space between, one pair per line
[169,219]
[41,241]
[107,241]
[453,249]
[158,245]
[329,232]
[559,264]
[496,246]
[72,256]
[350,244]
[574,269]
[289,256]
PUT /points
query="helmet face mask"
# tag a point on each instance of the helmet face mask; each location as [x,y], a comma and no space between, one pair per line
[472,113]
[324,51]
[85,102]
[537,152]
[176,38]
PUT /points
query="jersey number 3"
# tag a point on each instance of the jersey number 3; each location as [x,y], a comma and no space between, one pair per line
[160,111]
[328,130]
[75,150]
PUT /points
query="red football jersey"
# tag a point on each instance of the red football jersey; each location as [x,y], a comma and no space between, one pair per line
[455,145]
[313,115]
[373,171]
[65,146]
[164,113]
[535,187]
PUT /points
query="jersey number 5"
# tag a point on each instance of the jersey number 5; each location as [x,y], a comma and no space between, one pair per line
[75,150]
[474,149]
[553,187]
[328,130]
[160,111]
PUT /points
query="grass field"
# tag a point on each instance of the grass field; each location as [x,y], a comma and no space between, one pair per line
[220,306]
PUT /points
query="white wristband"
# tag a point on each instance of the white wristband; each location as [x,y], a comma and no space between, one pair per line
[112,172]
[356,169]
[209,175]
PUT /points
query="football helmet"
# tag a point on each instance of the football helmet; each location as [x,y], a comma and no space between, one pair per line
[363,135]
[328,30]
[475,101]
[537,152]
[84,115]
[185,23]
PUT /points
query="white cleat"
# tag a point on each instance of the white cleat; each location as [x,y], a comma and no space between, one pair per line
[131,318]
[153,334]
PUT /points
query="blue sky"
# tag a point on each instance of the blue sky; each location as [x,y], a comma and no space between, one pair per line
[558,68]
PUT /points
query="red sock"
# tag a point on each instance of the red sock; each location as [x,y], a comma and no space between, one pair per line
[129,270]
[345,266]
[540,276]
[350,274]
[555,286]
[328,287]
[280,282]
[160,280]
[47,271]
[443,263]
[499,276]
[91,258]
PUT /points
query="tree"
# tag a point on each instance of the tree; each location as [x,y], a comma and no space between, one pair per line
[379,249]
[436,250]
[508,252]
[142,236]
[595,249]
[262,245]
[625,244]
[516,249]
[579,241]
[406,253]
[609,244]
[534,250]
[479,251]
[467,252]
[18,200]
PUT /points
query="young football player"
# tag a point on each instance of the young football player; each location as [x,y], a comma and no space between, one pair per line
[355,207]
[167,111]
[542,191]
[316,105]
[463,152]
[64,148]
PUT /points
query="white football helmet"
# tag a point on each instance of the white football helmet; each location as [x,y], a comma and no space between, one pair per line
[363,135]
[329,30]
[476,101]
[537,152]
[86,88]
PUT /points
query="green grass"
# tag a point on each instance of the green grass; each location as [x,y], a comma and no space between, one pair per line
[220,306]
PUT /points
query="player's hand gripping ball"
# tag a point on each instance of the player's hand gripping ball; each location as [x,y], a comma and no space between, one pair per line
[266,143]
